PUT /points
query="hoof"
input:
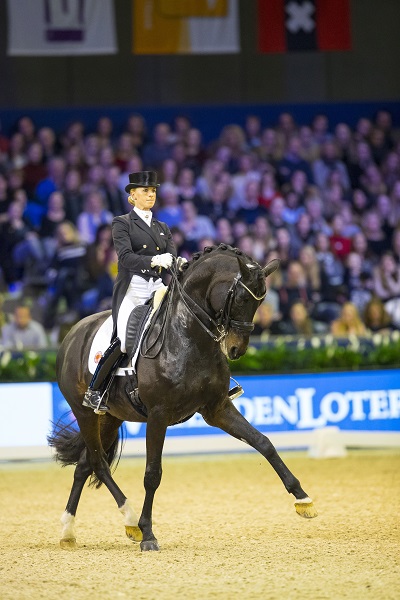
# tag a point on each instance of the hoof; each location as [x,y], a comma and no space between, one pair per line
[306,509]
[133,533]
[68,543]
[150,545]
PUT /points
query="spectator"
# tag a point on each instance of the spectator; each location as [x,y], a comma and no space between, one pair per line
[217,206]
[320,128]
[12,232]
[262,238]
[298,322]
[376,318]
[348,322]
[5,199]
[186,187]
[155,152]
[73,195]
[294,288]
[345,143]
[386,276]
[136,127]
[252,130]
[48,140]
[331,270]
[104,131]
[329,163]
[358,282]
[309,261]
[340,244]
[170,211]
[276,213]
[292,162]
[362,159]
[372,182]
[193,225]
[54,181]
[301,233]
[373,229]
[93,215]
[224,234]
[269,188]
[315,208]
[23,332]
[284,247]
[396,244]
[265,323]
[233,139]
[389,214]
[34,170]
[269,149]
[360,204]
[124,151]
[310,149]
[115,199]
[66,273]
[195,152]
[391,170]
[246,172]
[250,209]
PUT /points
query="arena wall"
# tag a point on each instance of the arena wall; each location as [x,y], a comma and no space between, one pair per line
[324,413]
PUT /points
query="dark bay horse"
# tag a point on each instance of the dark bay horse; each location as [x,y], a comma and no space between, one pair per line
[205,317]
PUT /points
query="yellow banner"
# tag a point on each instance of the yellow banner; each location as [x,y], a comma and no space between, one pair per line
[185,26]
[193,8]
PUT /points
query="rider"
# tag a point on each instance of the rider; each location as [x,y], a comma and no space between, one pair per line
[144,247]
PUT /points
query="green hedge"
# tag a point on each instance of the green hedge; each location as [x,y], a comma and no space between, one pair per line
[275,355]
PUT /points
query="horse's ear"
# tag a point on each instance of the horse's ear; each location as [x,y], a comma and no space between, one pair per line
[271,267]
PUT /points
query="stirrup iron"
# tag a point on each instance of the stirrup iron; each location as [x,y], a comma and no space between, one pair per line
[236,391]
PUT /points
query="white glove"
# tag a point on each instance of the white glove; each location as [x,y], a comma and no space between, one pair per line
[180,261]
[162,260]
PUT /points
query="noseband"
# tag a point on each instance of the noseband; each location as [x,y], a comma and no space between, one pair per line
[222,321]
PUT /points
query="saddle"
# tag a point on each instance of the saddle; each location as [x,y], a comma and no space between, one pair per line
[137,334]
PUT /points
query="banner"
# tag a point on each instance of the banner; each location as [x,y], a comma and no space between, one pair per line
[303,25]
[60,27]
[185,27]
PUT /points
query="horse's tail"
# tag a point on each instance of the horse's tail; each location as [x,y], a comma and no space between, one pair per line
[69,445]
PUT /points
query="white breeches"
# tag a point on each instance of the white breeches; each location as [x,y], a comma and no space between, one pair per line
[138,292]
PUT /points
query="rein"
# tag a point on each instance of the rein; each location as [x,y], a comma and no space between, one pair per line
[222,322]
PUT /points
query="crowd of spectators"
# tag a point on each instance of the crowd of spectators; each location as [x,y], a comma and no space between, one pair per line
[323,199]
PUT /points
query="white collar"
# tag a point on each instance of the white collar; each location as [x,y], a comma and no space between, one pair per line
[145,215]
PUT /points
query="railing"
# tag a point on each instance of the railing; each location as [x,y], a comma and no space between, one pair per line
[273,354]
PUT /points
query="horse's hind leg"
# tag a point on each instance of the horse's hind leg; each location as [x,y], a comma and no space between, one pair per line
[229,419]
[82,471]
[99,434]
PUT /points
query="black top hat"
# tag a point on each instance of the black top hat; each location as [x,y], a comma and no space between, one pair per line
[142,179]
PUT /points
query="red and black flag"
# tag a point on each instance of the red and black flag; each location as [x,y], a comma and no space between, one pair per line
[303,25]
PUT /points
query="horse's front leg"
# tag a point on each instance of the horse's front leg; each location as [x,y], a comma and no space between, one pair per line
[229,419]
[155,436]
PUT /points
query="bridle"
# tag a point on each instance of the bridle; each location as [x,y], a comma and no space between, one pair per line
[222,321]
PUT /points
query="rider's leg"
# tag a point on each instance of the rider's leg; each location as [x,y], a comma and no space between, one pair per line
[108,362]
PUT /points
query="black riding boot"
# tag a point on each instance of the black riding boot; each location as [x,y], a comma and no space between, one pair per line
[108,362]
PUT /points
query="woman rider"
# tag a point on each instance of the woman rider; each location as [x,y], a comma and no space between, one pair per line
[144,247]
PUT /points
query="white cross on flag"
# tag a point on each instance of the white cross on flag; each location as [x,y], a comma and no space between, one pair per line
[301,25]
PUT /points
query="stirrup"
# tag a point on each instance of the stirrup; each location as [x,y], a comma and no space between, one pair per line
[236,391]
[93,399]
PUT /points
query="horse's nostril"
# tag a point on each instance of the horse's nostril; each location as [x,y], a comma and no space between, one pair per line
[234,352]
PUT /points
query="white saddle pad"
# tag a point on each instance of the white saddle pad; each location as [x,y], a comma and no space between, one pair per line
[101,340]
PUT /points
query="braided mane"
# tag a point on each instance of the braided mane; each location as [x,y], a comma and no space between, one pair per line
[241,256]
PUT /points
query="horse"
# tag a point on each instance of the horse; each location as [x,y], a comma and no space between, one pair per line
[205,318]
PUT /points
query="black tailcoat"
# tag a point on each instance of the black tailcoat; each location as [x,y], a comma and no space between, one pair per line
[136,243]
